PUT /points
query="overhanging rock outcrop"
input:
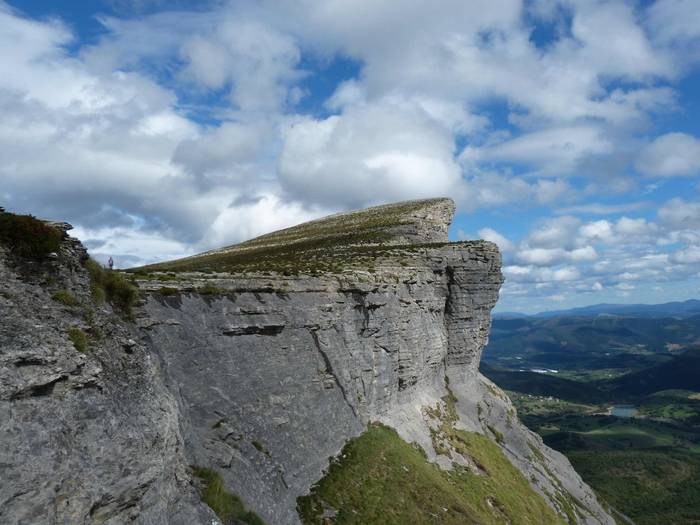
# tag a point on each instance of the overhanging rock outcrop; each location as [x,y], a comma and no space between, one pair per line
[281,349]
[259,360]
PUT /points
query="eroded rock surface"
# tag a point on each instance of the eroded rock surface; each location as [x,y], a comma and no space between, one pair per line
[87,437]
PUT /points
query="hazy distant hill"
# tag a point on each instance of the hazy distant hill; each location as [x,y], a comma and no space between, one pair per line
[589,342]
[680,373]
[687,308]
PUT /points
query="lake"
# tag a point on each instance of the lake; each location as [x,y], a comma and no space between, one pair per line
[623,411]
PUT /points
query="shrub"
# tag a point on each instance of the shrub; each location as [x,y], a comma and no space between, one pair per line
[168,291]
[27,236]
[225,504]
[209,289]
[260,447]
[78,338]
[65,297]
[111,286]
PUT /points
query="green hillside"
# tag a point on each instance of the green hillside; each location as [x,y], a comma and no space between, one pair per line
[380,479]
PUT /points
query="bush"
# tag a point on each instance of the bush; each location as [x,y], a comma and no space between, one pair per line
[111,286]
[79,338]
[225,504]
[168,291]
[209,289]
[27,236]
[65,297]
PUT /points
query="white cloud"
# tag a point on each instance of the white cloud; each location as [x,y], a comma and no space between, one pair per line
[492,235]
[533,274]
[674,22]
[370,153]
[556,151]
[557,232]
[552,256]
[258,61]
[671,155]
[604,209]
[598,230]
[689,255]
[680,214]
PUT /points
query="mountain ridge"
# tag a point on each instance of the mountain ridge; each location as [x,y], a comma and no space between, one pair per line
[263,373]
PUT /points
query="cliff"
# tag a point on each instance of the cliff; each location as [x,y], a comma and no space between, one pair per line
[262,361]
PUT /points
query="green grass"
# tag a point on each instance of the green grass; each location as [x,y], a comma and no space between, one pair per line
[27,236]
[329,245]
[65,297]
[111,286]
[225,504]
[380,479]
[78,338]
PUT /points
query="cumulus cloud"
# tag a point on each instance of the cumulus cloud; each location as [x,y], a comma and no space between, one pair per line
[489,234]
[671,155]
[674,23]
[681,214]
[259,63]
[378,151]
[556,150]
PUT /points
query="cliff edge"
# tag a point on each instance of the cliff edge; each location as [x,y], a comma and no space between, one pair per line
[279,363]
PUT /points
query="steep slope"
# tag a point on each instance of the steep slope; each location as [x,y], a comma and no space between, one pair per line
[281,349]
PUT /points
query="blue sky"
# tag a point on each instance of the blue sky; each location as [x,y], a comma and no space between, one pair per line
[567,131]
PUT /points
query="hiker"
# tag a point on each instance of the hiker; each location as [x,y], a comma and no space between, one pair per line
[110,263]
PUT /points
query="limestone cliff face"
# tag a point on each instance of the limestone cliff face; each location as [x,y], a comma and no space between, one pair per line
[262,371]
[85,437]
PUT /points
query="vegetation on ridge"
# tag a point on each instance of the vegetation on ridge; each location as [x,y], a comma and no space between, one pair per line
[27,236]
[111,286]
[325,245]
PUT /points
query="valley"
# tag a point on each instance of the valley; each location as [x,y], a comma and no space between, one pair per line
[618,394]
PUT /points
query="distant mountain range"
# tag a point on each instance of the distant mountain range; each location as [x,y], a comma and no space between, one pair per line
[679,309]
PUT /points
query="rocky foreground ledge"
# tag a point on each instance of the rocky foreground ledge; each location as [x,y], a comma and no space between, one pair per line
[260,362]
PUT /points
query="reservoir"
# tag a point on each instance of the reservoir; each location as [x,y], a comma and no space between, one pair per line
[623,411]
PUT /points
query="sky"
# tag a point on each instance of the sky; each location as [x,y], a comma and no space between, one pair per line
[567,131]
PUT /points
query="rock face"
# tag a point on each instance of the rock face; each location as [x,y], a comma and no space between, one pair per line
[87,437]
[262,372]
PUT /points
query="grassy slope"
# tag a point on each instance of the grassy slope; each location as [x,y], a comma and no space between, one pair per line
[324,245]
[380,479]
